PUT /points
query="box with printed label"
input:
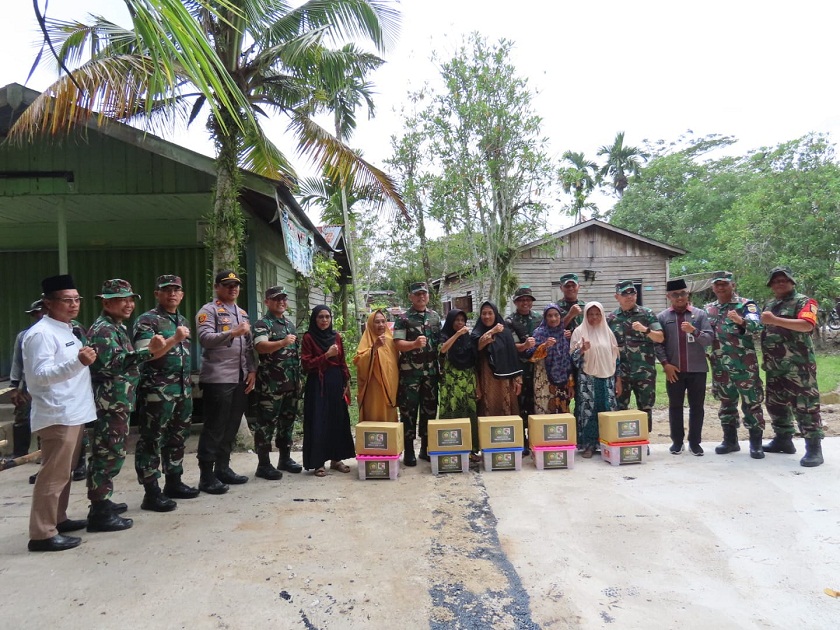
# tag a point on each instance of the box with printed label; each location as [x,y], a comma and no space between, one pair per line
[500,432]
[555,429]
[502,459]
[379,438]
[450,435]
[375,467]
[622,426]
[619,453]
[444,462]
[549,457]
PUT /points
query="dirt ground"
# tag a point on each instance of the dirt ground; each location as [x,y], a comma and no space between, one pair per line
[678,541]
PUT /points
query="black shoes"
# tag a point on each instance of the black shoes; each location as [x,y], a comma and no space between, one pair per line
[730,441]
[756,450]
[208,482]
[676,449]
[154,500]
[780,444]
[813,453]
[56,543]
[71,526]
[408,456]
[285,462]
[174,488]
[696,450]
[266,471]
[117,508]
[226,475]
[102,518]
[424,449]
[80,472]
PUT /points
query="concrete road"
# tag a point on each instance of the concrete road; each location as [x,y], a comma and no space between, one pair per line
[678,542]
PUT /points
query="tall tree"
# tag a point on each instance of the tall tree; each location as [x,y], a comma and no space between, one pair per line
[622,162]
[243,58]
[579,177]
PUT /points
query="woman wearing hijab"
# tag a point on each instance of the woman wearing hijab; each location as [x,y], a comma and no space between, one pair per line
[377,371]
[326,421]
[595,353]
[457,384]
[499,367]
[552,364]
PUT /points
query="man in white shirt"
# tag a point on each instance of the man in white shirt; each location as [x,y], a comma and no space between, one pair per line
[57,375]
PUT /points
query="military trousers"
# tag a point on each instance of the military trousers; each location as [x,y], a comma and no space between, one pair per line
[276,414]
[224,405]
[164,426]
[730,388]
[108,434]
[417,394]
[21,431]
[794,395]
[643,386]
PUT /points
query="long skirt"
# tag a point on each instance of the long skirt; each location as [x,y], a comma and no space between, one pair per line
[326,420]
[548,397]
[457,398]
[498,396]
[596,395]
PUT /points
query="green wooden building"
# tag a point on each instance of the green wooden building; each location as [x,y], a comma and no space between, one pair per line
[116,202]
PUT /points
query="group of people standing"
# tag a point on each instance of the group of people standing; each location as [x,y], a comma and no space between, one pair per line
[524,364]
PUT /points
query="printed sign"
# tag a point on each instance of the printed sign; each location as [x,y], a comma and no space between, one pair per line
[629,428]
[376,470]
[555,459]
[300,244]
[450,437]
[503,460]
[555,432]
[503,434]
[376,440]
[630,455]
[449,463]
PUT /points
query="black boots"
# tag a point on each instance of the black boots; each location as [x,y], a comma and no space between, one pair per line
[730,440]
[285,462]
[22,438]
[756,450]
[424,449]
[102,518]
[225,474]
[174,488]
[780,444]
[208,482]
[154,500]
[80,471]
[813,453]
[408,456]
[265,470]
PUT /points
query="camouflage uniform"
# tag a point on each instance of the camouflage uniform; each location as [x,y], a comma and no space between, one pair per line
[115,375]
[734,362]
[791,369]
[278,384]
[637,358]
[565,307]
[419,370]
[164,398]
[524,326]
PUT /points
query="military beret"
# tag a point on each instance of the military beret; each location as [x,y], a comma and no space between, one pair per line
[569,277]
[783,270]
[624,285]
[227,275]
[116,288]
[36,306]
[418,287]
[523,292]
[169,281]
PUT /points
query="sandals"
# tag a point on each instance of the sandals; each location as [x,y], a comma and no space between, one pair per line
[340,467]
[320,472]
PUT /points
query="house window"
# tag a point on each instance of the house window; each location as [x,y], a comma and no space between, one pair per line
[639,296]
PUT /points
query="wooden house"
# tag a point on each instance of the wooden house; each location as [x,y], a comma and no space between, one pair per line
[599,253]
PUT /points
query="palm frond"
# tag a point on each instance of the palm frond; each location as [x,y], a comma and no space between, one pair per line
[261,156]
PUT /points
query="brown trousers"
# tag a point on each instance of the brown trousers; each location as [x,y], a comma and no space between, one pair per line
[60,446]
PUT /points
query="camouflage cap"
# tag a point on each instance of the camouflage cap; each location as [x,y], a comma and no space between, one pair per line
[783,270]
[722,276]
[418,287]
[274,292]
[227,275]
[36,306]
[569,277]
[523,292]
[623,285]
[169,281]
[116,288]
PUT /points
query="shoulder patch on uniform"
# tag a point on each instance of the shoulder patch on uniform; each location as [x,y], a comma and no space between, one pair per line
[752,308]
[202,318]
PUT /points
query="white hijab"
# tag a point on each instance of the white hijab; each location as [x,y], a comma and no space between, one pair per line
[599,360]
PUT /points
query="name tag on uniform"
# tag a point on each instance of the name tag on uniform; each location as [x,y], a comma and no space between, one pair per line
[69,343]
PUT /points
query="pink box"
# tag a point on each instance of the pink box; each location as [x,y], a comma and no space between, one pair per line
[548,457]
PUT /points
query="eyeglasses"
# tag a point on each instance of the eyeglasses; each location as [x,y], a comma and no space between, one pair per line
[679,294]
[279,298]
[171,290]
[629,292]
[69,301]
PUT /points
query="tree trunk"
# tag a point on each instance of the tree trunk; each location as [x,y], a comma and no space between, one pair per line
[226,231]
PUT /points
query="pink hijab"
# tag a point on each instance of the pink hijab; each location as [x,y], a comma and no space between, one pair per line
[599,360]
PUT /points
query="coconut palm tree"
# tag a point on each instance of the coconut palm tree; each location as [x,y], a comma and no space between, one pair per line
[579,177]
[622,162]
[242,59]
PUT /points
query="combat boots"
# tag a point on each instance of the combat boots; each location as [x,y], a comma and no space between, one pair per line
[730,440]
[174,488]
[424,449]
[154,500]
[408,456]
[780,444]
[80,471]
[285,461]
[225,474]
[265,470]
[756,450]
[813,453]
[208,482]
[102,518]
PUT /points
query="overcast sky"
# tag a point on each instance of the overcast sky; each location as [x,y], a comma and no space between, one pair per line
[764,72]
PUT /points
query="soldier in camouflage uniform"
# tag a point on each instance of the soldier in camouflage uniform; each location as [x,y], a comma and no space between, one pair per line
[115,375]
[571,310]
[22,401]
[278,385]
[734,321]
[790,366]
[164,398]
[636,330]
[417,338]
[524,322]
